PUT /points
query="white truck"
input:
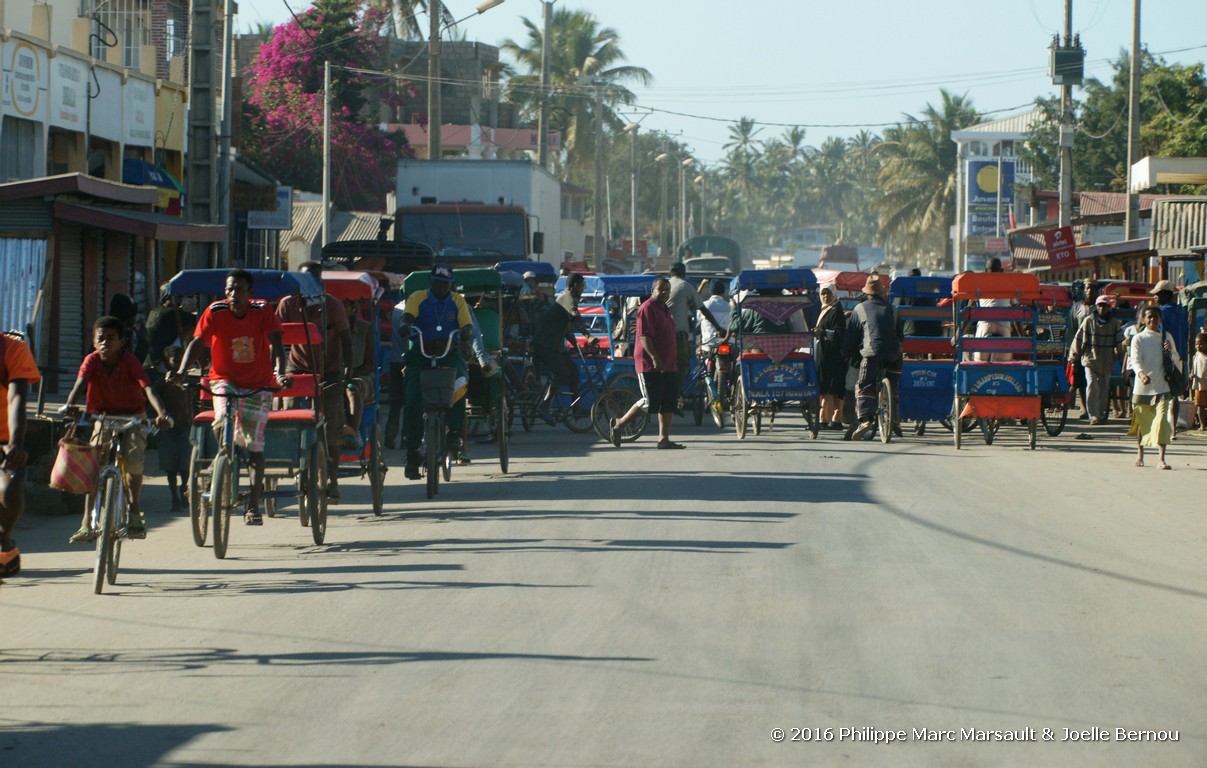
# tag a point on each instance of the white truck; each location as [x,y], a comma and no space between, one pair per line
[478,212]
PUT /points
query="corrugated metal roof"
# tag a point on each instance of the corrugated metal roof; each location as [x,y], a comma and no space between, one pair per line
[1179,225]
[1009,127]
[345,225]
[1102,203]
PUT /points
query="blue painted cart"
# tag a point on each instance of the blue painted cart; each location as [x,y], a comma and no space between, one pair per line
[928,373]
[775,366]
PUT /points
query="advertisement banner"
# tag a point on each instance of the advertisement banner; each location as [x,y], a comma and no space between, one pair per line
[138,97]
[986,188]
[26,77]
[106,122]
[1062,251]
[69,81]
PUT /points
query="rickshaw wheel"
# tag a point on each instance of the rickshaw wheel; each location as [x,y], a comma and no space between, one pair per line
[432,439]
[1054,417]
[811,410]
[199,508]
[1032,429]
[988,429]
[222,478]
[884,410]
[698,410]
[739,408]
[957,424]
[268,502]
[377,470]
[502,429]
[623,392]
[316,490]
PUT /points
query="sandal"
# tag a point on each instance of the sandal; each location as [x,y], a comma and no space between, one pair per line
[669,444]
[253,517]
[614,433]
[1139,462]
[1163,465]
[10,561]
[85,535]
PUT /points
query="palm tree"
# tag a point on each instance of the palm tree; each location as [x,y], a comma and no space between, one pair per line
[918,175]
[741,172]
[583,56]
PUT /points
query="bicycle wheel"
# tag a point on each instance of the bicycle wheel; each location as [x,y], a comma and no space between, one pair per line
[377,469]
[623,393]
[502,429]
[222,482]
[988,429]
[199,507]
[1054,417]
[121,522]
[317,491]
[713,403]
[103,511]
[884,410]
[739,408]
[811,410]
[433,440]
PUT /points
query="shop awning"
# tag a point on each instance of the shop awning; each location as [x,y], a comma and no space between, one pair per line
[154,226]
[135,171]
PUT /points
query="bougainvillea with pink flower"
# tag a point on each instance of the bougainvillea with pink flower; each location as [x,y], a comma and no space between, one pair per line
[283,110]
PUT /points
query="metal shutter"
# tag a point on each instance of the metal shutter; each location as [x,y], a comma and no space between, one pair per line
[71,296]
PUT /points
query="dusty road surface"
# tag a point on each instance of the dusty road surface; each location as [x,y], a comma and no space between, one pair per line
[903,605]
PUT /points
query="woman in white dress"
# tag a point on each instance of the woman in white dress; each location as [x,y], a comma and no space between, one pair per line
[1151,396]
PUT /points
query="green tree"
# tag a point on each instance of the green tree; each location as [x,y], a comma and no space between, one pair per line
[583,56]
[918,176]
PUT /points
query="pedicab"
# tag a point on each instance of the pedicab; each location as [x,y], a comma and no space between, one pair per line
[997,388]
[848,286]
[775,369]
[927,382]
[486,396]
[366,454]
[295,447]
[1052,347]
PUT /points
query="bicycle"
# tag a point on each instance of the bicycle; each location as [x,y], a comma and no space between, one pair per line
[111,504]
[441,391]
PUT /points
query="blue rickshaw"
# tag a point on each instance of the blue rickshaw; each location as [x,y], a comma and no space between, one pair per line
[294,444]
[776,364]
[928,372]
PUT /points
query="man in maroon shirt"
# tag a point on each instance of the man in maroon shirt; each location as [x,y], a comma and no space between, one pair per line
[656,365]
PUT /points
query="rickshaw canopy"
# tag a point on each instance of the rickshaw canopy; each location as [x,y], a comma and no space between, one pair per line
[614,285]
[852,282]
[545,272]
[996,285]
[472,280]
[269,284]
[792,279]
[1056,294]
[352,286]
[916,287]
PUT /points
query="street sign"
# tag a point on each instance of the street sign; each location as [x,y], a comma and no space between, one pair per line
[996,245]
[1062,251]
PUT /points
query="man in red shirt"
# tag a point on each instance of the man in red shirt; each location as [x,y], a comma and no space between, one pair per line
[244,337]
[118,385]
[655,357]
[17,371]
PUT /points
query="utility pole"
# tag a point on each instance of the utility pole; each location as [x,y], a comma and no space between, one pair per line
[326,153]
[1132,220]
[225,159]
[662,213]
[433,81]
[543,125]
[202,108]
[1066,132]
[599,247]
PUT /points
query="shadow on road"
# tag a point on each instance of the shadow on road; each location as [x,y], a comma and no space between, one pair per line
[495,546]
[130,745]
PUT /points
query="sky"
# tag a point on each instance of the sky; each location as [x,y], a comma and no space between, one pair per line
[835,67]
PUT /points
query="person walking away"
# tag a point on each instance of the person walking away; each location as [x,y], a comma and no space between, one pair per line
[832,365]
[684,304]
[335,347]
[717,304]
[244,339]
[17,371]
[1077,316]
[114,382]
[174,447]
[1176,323]
[1152,398]
[1198,379]
[1095,347]
[873,335]
[438,313]
[655,361]
[360,390]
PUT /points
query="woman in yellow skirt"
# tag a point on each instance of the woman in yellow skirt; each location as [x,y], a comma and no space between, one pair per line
[1151,397]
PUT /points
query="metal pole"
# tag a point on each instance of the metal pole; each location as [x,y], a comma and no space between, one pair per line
[682,203]
[224,138]
[599,248]
[1066,132]
[433,82]
[1132,222]
[662,207]
[633,194]
[997,230]
[543,126]
[326,152]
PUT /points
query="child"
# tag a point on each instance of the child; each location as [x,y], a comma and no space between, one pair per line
[117,384]
[1198,379]
[174,447]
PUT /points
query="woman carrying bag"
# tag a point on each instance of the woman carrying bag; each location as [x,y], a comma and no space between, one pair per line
[1152,354]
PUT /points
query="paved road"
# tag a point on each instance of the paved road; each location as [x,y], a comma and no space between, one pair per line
[636,607]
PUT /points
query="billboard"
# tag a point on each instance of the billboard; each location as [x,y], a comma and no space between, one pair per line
[989,191]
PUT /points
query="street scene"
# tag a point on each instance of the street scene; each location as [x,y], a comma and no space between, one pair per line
[554,383]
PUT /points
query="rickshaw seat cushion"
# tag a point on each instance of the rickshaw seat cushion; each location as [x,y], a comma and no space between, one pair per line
[297,333]
[925,346]
[288,415]
[756,355]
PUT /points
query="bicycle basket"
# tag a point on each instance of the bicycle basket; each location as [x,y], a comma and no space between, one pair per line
[437,385]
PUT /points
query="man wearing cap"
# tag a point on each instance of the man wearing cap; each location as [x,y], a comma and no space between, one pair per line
[873,335]
[1098,341]
[437,313]
[1176,323]
[684,303]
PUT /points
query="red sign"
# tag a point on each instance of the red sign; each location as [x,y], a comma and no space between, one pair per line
[996,245]
[1062,251]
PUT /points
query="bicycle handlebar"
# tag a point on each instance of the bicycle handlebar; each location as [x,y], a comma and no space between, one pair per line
[448,346]
[117,423]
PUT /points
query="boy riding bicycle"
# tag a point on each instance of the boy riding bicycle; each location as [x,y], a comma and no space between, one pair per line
[244,338]
[116,384]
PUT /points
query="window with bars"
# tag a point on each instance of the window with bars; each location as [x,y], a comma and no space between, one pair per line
[124,23]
